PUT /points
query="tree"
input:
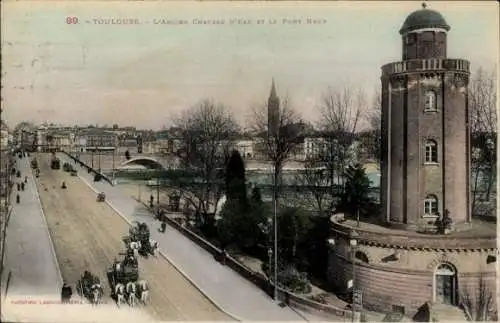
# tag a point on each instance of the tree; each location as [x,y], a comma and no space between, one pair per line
[482,101]
[127,154]
[293,226]
[240,224]
[235,179]
[375,119]
[256,196]
[316,246]
[312,186]
[278,143]
[206,131]
[478,302]
[355,198]
[340,114]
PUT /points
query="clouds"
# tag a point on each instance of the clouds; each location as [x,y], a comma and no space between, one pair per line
[139,73]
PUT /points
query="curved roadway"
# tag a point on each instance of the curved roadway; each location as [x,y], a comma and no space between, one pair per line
[31,292]
[87,235]
[232,292]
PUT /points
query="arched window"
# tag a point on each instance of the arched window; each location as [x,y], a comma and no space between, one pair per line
[430,101]
[431,151]
[445,269]
[361,256]
[431,205]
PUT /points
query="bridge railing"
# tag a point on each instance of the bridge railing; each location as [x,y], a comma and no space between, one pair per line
[92,170]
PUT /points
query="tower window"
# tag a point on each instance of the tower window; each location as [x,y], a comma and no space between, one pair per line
[431,153]
[430,101]
[431,205]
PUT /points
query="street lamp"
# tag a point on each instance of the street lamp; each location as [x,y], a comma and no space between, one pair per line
[353,242]
[275,218]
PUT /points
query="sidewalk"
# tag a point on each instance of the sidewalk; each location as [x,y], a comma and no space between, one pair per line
[226,288]
[29,253]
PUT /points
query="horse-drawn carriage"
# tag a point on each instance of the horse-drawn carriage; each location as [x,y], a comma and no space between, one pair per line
[101,197]
[89,286]
[123,272]
[123,277]
[34,163]
[140,234]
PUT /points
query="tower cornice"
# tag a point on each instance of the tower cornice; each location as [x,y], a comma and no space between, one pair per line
[440,65]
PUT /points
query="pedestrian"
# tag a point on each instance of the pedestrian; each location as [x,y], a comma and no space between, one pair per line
[66,293]
[18,199]
[163,226]
[22,186]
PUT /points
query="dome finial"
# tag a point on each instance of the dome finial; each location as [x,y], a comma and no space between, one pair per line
[424,5]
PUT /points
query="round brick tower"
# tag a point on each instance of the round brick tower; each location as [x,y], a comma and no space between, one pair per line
[407,259]
[425,129]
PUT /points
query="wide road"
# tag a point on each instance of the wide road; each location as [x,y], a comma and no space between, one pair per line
[31,292]
[231,291]
[88,235]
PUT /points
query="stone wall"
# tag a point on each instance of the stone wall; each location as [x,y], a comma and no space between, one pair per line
[390,276]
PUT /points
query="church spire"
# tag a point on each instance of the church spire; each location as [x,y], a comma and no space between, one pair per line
[273,90]
[273,107]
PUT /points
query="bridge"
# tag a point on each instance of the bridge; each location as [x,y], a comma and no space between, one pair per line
[150,162]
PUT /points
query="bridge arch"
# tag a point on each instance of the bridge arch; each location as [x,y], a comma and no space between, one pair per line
[148,162]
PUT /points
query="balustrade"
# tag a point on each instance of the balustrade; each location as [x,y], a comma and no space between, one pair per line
[423,65]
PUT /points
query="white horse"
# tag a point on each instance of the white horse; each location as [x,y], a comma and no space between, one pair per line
[134,245]
[131,291]
[120,294]
[154,246]
[143,291]
[96,294]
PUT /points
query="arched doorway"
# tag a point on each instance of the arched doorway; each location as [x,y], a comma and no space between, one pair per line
[445,284]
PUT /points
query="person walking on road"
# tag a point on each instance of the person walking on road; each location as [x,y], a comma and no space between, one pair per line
[66,293]
[163,226]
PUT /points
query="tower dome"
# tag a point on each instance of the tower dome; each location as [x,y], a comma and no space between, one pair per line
[424,18]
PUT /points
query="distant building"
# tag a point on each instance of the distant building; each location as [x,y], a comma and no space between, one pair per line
[273,111]
[98,139]
[245,146]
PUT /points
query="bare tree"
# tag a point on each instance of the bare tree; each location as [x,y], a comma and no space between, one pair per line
[341,111]
[207,132]
[278,143]
[375,117]
[483,115]
[478,302]
[280,130]
[314,179]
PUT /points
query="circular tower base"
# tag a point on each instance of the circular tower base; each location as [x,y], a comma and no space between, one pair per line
[401,271]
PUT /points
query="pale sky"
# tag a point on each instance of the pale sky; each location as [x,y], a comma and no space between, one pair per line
[143,74]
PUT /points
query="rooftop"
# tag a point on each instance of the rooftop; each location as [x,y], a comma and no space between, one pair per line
[424,18]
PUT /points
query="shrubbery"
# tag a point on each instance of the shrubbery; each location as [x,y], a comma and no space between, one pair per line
[290,278]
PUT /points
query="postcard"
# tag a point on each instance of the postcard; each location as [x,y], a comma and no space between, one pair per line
[248,161]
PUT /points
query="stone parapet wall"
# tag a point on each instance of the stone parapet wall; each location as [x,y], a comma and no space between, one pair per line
[411,240]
